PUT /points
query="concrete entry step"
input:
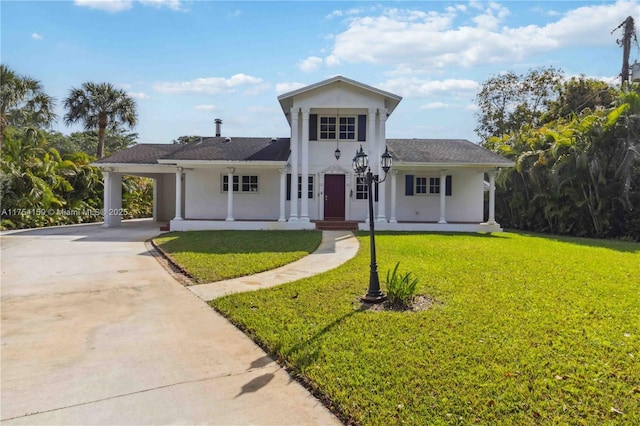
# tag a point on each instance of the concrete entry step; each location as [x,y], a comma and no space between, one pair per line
[337,225]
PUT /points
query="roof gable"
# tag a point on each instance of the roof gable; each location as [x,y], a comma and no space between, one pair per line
[286,100]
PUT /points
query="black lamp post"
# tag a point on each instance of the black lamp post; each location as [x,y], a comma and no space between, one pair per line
[362,169]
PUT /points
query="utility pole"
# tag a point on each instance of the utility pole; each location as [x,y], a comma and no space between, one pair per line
[628,33]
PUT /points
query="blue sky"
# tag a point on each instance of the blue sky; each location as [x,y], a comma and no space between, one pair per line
[188,62]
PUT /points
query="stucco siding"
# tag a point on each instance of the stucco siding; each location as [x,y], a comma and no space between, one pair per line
[205,199]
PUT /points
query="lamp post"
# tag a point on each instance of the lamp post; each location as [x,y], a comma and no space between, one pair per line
[362,169]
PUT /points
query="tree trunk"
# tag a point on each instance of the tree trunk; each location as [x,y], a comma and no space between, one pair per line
[102,127]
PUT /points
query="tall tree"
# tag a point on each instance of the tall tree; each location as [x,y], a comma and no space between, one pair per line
[23,102]
[100,106]
[509,101]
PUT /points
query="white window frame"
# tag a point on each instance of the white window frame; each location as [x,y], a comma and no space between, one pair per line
[362,190]
[339,127]
[239,184]
[309,188]
[430,185]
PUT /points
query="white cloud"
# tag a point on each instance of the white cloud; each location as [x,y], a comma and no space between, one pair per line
[115,6]
[112,6]
[413,87]
[403,36]
[205,107]
[435,105]
[288,87]
[312,63]
[234,14]
[169,4]
[36,36]
[213,85]
[138,95]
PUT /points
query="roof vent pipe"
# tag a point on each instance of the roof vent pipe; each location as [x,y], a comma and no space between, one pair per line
[218,127]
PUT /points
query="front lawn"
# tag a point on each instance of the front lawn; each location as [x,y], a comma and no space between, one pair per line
[527,330]
[218,255]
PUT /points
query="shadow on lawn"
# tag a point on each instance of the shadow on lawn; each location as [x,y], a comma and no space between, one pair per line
[617,245]
[306,352]
[226,242]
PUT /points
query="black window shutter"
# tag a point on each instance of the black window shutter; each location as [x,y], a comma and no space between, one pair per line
[288,186]
[362,128]
[408,185]
[313,127]
[375,192]
[447,190]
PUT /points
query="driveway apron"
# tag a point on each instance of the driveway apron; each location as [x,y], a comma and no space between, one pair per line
[95,331]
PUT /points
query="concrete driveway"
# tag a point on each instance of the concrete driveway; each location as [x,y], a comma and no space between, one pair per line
[95,331]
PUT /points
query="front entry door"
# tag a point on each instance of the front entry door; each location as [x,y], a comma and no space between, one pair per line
[334,197]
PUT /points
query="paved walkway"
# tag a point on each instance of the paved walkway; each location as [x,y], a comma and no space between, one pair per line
[95,331]
[335,249]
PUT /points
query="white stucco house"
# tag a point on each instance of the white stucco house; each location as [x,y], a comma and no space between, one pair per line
[227,182]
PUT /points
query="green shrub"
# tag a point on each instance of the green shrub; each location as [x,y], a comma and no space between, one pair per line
[400,288]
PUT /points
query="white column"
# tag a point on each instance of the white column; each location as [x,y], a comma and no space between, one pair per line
[492,197]
[178,194]
[394,179]
[283,194]
[293,210]
[115,204]
[382,141]
[304,208]
[230,170]
[371,149]
[443,192]
[106,197]
[155,200]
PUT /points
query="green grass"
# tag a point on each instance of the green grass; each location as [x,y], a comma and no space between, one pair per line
[210,256]
[528,330]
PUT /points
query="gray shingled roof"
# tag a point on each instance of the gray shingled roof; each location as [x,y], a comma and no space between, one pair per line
[440,151]
[236,149]
[146,153]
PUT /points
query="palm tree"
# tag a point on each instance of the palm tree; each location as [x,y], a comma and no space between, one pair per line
[100,106]
[23,102]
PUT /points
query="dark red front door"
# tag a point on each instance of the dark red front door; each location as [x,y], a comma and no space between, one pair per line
[334,197]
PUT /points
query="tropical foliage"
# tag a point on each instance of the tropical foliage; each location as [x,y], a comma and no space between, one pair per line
[577,168]
[46,177]
[23,103]
[100,106]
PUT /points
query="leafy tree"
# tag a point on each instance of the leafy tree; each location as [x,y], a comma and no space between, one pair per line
[185,140]
[23,102]
[580,93]
[100,106]
[509,101]
[87,141]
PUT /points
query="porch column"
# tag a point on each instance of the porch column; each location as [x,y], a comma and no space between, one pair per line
[304,209]
[443,194]
[155,199]
[293,210]
[178,194]
[492,197]
[106,196]
[283,194]
[394,179]
[231,170]
[382,199]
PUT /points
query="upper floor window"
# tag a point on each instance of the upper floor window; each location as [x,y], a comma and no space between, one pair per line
[342,128]
[327,127]
[348,128]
